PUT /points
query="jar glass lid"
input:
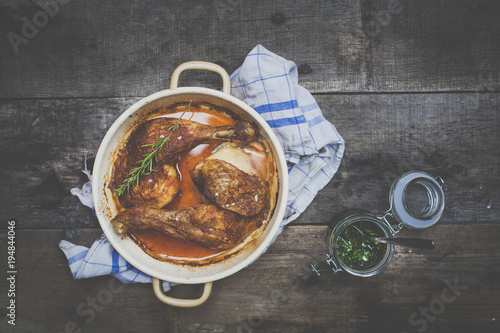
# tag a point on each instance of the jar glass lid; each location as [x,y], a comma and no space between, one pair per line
[417,199]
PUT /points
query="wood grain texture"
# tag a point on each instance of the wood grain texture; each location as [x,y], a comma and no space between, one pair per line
[44,144]
[118,49]
[455,136]
[277,293]
[408,84]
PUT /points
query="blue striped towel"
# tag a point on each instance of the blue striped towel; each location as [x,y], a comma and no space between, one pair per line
[312,145]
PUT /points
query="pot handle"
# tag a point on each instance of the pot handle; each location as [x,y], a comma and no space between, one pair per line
[181,303]
[202,65]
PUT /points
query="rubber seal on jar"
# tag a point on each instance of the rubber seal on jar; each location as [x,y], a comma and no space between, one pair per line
[401,202]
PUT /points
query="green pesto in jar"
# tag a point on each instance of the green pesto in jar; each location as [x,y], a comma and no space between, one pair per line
[358,252]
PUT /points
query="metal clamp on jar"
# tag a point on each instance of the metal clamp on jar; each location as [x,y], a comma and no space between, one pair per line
[362,244]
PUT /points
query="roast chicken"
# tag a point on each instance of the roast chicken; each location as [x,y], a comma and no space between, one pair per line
[206,225]
[230,187]
[159,188]
[233,180]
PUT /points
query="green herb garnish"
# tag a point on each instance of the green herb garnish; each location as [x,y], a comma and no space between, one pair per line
[145,166]
[356,251]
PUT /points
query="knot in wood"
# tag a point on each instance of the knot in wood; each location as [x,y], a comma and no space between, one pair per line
[278,18]
[305,69]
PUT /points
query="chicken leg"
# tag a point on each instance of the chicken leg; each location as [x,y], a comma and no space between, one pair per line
[206,225]
[188,135]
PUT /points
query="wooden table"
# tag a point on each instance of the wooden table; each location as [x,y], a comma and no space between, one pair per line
[410,85]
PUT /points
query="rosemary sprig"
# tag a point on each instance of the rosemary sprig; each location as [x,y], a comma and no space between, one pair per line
[145,166]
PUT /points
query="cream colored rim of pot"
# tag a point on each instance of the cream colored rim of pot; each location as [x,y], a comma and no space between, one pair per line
[165,270]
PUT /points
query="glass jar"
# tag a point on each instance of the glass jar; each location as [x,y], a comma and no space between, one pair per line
[416,201]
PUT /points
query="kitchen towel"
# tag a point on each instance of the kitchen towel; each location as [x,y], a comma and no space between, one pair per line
[313,149]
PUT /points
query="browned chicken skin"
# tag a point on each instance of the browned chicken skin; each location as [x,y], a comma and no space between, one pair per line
[188,135]
[156,190]
[206,225]
[230,187]
[241,197]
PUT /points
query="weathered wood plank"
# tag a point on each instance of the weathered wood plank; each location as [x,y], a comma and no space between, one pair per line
[117,49]
[432,45]
[43,145]
[456,136]
[276,293]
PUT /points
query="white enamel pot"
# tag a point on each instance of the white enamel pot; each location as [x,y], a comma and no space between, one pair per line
[161,270]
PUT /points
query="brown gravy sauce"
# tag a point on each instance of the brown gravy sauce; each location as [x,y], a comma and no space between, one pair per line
[162,246]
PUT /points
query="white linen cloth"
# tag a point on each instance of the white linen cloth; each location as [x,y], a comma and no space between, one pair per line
[312,146]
